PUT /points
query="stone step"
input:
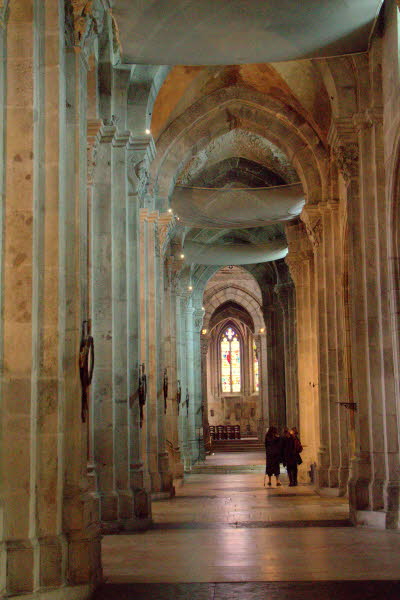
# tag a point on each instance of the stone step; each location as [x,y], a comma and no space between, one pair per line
[243,445]
[204,469]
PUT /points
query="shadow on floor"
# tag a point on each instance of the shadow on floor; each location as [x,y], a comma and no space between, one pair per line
[303,590]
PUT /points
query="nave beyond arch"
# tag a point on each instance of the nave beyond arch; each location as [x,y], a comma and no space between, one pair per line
[149,208]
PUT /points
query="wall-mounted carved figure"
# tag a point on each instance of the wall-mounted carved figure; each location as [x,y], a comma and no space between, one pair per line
[142,391]
[86,366]
[178,394]
[165,390]
[187,402]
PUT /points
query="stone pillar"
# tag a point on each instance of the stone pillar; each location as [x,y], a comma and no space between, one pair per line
[157,456]
[301,265]
[191,444]
[263,402]
[206,426]
[170,363]
[271,368]
[136,150]
[286,296]
[324,233]
[267,369]
[120,397]
[163,223]
[278,373]
[49,530]
[102,290]
[373,485]
[181,368]
[198,398]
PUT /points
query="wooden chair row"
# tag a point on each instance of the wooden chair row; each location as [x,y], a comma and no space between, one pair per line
[225,432]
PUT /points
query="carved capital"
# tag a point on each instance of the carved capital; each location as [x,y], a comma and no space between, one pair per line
[346,156]
[295,266]
[311,218]
[283,292]
[368,118]
[203,347]
[3,13]
[141,152]
[198,320]
[84,20]
[165,226]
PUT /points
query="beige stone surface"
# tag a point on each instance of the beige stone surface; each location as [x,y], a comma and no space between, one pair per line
[231,528]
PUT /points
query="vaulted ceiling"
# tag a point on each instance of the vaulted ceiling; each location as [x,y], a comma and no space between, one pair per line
[210,32]
[241,138]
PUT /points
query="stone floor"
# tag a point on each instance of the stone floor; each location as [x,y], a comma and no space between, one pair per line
[226,536]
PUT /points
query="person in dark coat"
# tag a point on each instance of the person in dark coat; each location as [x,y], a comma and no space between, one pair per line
[273,451]
[291,455]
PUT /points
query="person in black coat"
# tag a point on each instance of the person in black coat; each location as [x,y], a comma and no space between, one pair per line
[291,454]
[273,451]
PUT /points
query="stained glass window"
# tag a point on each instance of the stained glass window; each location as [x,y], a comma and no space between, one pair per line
[255,368]
[230,361]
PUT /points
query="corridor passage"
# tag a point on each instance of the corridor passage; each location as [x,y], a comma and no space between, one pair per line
[226,536]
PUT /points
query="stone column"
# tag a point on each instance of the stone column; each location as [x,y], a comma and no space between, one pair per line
[301,265]
[157,456]
[286,296]
[119,327]
[49,530]
[206,426]
[322,227]
[373,486]
[136,151]
[170,361]
[198,398]
[267,369]
[102,386]
[278,373]
[272,377]
[163,224]
[181,367]
[191,444]
[314,227]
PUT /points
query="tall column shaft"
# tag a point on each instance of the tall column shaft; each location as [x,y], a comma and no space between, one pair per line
[49,527]
[301,265]
[285,293]
[373,486]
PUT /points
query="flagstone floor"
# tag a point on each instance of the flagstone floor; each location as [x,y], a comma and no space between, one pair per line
[226,536]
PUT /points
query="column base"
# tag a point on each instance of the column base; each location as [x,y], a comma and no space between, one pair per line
[333,492]
[134,512]
[368,518]
[76,592]
[127,525]
[165,474]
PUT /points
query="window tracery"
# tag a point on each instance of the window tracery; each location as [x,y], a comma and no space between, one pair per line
[230,362]
[255,368]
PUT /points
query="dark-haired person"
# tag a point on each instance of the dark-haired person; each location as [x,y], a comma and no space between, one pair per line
[273,452]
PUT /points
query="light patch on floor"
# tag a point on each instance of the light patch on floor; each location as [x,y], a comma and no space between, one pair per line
[229,528]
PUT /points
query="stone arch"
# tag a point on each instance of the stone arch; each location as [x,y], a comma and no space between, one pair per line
[339,77]
[231,309]
[144,85]
[240,297]
[223,110]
